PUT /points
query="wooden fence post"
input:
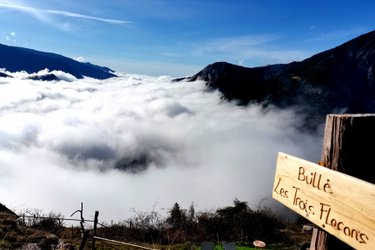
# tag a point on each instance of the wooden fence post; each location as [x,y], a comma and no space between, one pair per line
[84,233]
[95,227]
[348,147]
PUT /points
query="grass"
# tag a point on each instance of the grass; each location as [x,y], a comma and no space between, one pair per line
[220,247]
[182,246]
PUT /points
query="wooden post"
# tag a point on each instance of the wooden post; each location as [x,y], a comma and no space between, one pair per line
[95,227]
[84,233]
[83,240]
[348,147]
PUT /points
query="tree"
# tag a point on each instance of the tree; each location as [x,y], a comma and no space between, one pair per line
[191,212]
[239,208]
[177,217]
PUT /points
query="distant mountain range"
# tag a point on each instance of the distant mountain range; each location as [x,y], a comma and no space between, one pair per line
[15,59]
[339,80]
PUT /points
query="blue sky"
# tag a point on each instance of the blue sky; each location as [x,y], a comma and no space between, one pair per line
[178,38]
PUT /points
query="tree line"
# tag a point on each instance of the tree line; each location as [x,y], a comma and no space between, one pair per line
[238,223]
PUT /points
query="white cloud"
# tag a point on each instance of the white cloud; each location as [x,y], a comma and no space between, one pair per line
[77,15]
[80,59]
[60,144]
[337,36]
[24,75]
[46,15]
[256,50]
[11,37]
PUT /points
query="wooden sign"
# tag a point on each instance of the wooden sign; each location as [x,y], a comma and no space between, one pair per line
[342,205]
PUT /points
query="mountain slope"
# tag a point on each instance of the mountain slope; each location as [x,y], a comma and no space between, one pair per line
[338,80]
[17,59]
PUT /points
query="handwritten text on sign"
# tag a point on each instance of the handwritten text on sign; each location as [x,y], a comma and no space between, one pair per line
[342,205]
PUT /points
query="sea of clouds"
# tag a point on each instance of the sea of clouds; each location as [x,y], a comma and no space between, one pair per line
[137,143]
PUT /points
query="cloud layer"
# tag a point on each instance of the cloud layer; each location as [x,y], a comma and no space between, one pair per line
[137,142]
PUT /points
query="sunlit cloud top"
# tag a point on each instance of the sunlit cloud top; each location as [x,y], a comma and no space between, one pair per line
[133,141]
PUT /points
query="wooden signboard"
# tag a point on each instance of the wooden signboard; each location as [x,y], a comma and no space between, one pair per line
[342,205]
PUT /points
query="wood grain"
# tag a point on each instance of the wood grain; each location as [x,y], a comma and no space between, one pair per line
[340,204]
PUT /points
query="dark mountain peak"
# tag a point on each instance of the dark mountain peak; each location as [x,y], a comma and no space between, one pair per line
[217,71]
[355,56]
[337,80]
[105,69]
[4,75]
[22,59]
[46,77]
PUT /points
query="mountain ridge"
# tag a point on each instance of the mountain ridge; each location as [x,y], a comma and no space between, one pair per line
[15,59]
[339,80]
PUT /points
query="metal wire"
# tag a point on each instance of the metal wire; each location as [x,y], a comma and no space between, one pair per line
[123,243]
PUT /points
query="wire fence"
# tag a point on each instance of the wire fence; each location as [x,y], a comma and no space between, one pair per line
[51,217]
[85,235]
[123,243]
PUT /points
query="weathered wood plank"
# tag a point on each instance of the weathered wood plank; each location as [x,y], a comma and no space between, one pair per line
[338,203]
[349,143]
